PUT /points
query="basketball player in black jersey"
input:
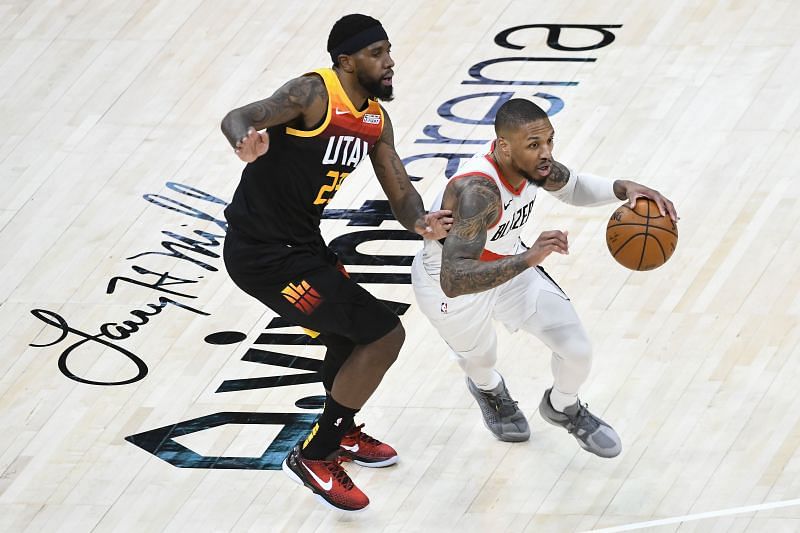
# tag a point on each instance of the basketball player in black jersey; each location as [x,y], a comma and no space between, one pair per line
[319,126]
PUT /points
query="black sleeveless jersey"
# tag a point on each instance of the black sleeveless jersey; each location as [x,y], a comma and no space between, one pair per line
[281,195]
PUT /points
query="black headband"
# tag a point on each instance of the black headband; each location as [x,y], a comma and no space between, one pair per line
[360,40]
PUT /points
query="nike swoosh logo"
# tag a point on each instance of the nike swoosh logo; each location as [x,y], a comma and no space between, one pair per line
[341,112]
[325,485]
[508,204]
[353,449]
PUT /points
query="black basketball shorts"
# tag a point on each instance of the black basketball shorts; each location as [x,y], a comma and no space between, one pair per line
[308,286]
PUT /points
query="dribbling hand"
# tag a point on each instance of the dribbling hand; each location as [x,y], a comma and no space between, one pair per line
[634,190]
[547,243]
[252,146]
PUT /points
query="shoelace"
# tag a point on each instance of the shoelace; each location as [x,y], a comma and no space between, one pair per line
[360,435]
[498,402]
[576,421]
[510,404]
[339,473]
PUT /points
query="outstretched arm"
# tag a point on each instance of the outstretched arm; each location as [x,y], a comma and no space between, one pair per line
[406,202]
[587,189]
[477,207]
[295,100]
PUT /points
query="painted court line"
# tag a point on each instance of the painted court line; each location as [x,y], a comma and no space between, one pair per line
[699,516]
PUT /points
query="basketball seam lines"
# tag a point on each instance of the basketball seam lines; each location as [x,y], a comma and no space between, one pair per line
[646,233]
[621,246]
[618,224]
[660,247]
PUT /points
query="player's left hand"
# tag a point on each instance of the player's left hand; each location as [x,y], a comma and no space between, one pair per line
[252,146]
[435,225]
[635,190]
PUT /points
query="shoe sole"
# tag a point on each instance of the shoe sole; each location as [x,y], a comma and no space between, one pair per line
[376,464]
[294,477]
[581,444]
[513,438]
[508,437]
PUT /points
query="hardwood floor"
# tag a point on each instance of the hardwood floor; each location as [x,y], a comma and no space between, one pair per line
[111,159]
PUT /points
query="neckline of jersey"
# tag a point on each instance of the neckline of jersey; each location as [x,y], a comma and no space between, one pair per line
[356,113]
[515,191]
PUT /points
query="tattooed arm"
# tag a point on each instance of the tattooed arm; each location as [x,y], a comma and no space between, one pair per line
[301,101]
[476,207]
[560,175]
[403,197]
[586,189]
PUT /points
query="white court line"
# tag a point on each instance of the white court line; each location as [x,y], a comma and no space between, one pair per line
[699,516]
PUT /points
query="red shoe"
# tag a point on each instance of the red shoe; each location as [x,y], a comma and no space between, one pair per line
[367,451]
[327,480]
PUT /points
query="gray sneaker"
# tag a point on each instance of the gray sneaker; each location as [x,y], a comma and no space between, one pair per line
[592,434]
[500,413]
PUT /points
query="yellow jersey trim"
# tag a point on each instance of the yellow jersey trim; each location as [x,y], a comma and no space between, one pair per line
[337,86]
[324,73]
[335,89]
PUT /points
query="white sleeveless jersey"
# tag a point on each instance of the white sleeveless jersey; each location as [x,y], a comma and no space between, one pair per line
[502,238]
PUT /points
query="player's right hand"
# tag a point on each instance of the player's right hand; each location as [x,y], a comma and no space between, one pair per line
[547,243]
[252,146]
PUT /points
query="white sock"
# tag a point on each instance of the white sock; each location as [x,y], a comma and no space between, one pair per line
[492,381]
[561,401]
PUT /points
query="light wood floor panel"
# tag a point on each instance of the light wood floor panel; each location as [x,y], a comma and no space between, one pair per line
[696,363]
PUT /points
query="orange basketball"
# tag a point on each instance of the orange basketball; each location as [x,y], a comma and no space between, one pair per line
[640,238]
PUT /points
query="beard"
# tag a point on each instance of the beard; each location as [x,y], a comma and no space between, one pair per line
[376,89]
[530,179]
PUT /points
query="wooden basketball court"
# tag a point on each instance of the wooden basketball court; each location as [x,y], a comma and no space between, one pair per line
[141,390]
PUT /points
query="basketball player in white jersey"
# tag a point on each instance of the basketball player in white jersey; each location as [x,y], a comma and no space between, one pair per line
[483,271]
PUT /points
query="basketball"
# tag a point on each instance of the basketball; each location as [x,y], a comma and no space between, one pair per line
[640,238]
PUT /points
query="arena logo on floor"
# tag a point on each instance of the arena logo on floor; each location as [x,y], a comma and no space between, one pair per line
[266,349]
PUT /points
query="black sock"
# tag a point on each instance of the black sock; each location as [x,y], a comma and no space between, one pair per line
[352,424]
[325,436]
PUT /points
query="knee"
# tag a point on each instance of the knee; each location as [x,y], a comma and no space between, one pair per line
[400,332]
[578,349]
[398,338]
[483,353]
[391,344]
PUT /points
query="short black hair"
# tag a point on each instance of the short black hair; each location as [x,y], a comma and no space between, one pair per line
[515,113]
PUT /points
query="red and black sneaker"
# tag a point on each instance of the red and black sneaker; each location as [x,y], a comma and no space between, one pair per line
[365,450]
[327,480]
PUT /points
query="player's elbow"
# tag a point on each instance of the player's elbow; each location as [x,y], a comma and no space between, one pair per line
[453,294]
[227,122]
[449,287]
